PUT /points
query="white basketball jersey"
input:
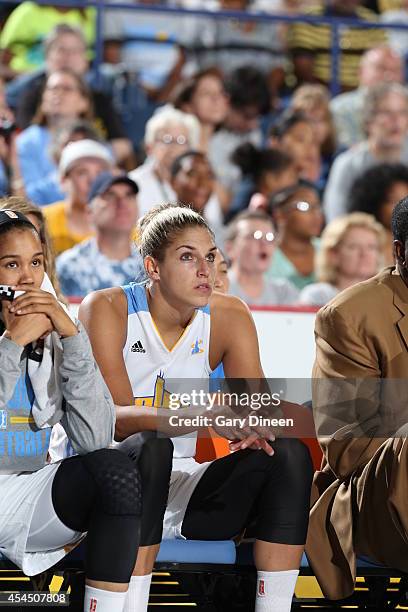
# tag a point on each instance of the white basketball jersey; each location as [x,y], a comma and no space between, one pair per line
[154,370]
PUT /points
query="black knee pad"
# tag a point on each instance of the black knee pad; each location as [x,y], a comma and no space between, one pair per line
[117,481]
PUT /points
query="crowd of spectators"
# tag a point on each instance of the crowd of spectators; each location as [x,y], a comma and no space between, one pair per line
[232,116]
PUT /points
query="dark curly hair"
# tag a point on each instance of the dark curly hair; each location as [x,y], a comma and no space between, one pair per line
[248,86]
[256,162]
[399,221]
[370,190]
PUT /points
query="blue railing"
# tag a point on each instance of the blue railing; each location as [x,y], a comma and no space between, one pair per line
[335,24]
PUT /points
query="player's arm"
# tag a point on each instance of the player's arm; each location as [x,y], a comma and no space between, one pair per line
[234,339]
[234,342]
[104,316]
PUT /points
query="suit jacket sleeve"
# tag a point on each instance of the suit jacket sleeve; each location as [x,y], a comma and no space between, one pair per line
[346,391]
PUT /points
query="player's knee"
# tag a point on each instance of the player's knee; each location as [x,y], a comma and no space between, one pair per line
[149,447]
[294,458]
[160,451]
[156,460]
[117,481]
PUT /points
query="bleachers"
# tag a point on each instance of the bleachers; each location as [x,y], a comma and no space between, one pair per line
[335,24]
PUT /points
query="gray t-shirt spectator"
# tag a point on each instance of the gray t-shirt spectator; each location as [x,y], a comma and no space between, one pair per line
[346,168]
[277,292]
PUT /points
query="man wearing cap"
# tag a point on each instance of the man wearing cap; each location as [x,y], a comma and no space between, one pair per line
[110,258]
[68,221]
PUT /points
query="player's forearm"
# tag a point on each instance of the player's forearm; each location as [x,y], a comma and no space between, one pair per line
[131,419]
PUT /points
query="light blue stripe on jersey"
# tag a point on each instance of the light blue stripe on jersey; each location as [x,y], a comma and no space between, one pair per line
[216,377]
[218,372]
[136,298]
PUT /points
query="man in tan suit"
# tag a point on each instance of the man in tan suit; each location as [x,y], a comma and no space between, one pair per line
[360,406]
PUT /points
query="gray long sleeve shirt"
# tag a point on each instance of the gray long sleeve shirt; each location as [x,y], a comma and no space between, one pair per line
[89,415]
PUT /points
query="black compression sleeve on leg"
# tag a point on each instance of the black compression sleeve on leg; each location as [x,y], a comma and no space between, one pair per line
[283,504]
[101,493]
[250,488]
[153,455]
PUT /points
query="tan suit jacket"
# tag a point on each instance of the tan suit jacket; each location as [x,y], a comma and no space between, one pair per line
[360,399]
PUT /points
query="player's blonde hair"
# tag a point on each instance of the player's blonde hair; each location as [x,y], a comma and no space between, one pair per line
[158,228]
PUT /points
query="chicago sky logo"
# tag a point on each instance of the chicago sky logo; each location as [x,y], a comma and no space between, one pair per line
[160,396]
[195,347]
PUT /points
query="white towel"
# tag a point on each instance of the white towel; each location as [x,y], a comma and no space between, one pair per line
[44,374]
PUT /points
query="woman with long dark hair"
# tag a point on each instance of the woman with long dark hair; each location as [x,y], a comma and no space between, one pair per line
[48,376]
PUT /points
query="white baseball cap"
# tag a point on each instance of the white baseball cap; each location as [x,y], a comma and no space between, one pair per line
[74,151]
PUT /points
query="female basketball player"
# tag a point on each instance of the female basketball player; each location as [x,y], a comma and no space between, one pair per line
[48,375]
[146,336]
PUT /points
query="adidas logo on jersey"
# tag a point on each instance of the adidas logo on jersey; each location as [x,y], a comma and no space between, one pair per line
[138,347]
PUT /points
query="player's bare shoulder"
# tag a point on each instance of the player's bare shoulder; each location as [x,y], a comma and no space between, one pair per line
[228,310]
[105,305]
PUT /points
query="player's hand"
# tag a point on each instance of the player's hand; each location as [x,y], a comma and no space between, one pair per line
[24,329]
[37,301]
[240,433]
[254,443]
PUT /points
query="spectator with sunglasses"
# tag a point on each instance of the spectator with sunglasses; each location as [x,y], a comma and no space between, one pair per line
[298,216]
[168,134]
[250,245]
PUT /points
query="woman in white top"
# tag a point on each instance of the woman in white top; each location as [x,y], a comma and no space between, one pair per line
[166,337]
